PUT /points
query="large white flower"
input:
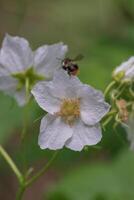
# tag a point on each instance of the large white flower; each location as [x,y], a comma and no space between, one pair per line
[74,111]
[18,64]
[125,71]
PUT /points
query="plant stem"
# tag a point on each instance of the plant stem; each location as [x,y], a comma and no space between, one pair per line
[25,123]
[109,87]
[107,121]
[131,91]
[42,171]
[27,89]
[11,164]
[26,110]
[120,90]
[20,192]
[24,136]
[25,184]
[112,112]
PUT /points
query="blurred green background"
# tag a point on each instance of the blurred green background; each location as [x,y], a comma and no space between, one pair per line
[103,31]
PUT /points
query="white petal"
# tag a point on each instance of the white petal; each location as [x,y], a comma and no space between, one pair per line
[84,135]
[92,105]
[53,133]
[4,71]
[15,54]
[20,97]
[64,86]
[130,73]
[49,94]
[48,58]
[44,98]
[7,84]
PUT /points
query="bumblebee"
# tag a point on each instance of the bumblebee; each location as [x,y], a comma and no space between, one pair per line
[71,66]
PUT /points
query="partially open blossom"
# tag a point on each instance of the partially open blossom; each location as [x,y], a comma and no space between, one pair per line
[74,112]
[125,71]
[20,66]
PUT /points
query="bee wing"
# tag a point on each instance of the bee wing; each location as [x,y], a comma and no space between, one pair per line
[78,57]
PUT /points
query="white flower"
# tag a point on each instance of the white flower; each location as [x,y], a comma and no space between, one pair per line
[125,71]
[74,111]
[18,62]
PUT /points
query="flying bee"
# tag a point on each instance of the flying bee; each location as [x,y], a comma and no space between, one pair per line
[71,66]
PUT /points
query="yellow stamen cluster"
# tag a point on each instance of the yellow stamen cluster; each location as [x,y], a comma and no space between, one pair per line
[69,110]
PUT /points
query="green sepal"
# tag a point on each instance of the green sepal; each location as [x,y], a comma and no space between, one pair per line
[29,74]
[119,76]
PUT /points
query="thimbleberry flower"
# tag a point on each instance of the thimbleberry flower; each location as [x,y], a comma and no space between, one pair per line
[125,71]
[20,67]
[74,112]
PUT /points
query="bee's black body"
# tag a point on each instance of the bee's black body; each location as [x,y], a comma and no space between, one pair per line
[70,66]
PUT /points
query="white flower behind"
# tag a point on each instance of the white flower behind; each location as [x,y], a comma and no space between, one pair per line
[18,62]
[125,71]
[74,111]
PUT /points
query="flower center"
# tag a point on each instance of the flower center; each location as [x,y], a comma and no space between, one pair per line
[69,110]
[29,76]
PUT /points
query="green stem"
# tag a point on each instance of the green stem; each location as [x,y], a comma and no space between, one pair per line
[20,192]
[24,135]
[27,88]
[11,164]
[25,184]
[25,124]
[131,91]
[42,171]
[108,88]
[107,120]
[120,90]
[108,117]
[22,186]
[26,110]
[112,112]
